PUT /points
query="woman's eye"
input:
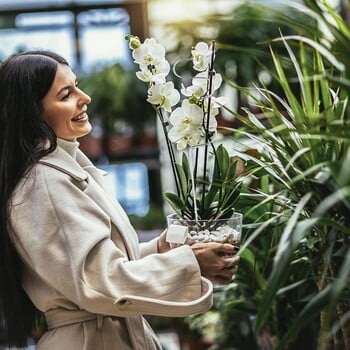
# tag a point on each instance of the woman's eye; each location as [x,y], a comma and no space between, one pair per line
[66,96]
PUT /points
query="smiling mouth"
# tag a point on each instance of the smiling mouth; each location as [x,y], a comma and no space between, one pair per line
[80,117]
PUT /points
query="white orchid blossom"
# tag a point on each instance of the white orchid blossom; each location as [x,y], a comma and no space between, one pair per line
[199,87]
[155,73]
[187,129]
[150,56]
[197,93]
[201,80]
[193,91]
[149,53]
[201,56]
[163,95]
[215,104]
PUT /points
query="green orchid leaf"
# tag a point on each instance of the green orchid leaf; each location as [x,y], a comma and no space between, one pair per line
[186,167]
[183,181]
[231,172]
[175,201]
[223,159]
[210,196]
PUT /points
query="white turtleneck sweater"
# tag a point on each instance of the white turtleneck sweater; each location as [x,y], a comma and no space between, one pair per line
[70,147]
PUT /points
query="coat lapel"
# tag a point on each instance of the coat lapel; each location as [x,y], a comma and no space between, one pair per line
[98,192]
[62,161]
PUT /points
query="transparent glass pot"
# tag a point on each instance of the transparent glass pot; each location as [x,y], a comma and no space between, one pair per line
[183,231]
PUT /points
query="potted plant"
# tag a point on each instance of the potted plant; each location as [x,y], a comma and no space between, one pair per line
[205,194]
[292,289]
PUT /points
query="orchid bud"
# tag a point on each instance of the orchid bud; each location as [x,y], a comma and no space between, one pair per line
[134,41]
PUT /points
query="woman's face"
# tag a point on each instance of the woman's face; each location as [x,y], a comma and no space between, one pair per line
[64,106]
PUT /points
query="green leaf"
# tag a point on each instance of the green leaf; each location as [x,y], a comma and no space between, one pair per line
[248,260]
[210,196]
[286,247]
[186,166]
[183,181]
[175,202]
[223,160]
[325,298]
[318,47]
[310,311]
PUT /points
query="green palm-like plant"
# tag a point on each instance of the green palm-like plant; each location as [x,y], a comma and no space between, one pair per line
[300,282]
[292,289]
[305,152]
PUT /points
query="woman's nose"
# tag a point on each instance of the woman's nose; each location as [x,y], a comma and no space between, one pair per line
[85,98]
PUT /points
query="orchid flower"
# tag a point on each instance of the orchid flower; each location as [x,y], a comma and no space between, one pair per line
[201,80]
[201,56]
[193,92]
[150,56]
[215,104]
[163,95]
[199,87]
[154,73]
[149,53]
[187,122]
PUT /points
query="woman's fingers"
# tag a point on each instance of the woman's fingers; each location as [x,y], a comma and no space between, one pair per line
[227,249]
[232,261]
[163,245]
[217,261]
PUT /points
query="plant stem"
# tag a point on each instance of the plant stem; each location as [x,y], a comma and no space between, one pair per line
[192,161]
[324,341]
[217,163]
[206,127]
[342,310]
[170,150]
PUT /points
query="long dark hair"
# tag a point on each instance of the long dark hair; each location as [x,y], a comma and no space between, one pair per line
[25,79]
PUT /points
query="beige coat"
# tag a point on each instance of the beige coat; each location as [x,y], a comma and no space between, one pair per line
[84,266]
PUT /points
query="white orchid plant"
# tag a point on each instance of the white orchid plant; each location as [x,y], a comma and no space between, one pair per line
[203,191]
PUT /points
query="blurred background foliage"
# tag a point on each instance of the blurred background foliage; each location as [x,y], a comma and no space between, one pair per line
[242,40]
[117,97]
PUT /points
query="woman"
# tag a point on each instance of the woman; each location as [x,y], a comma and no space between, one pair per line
[67,248]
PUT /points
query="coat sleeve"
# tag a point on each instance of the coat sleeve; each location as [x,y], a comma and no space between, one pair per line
[65,238]
[150,247]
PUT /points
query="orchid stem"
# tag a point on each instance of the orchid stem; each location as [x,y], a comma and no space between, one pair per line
[206,127]
[170,150]
[192,161]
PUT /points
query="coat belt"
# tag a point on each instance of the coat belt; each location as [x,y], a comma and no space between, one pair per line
[56,318]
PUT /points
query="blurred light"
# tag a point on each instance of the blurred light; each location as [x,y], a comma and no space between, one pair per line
[63,18]
[129,184]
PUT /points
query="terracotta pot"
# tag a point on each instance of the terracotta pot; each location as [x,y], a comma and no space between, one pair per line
[116,144]
[146,141]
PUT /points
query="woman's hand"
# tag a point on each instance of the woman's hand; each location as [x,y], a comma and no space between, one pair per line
[163,246]
[217,261]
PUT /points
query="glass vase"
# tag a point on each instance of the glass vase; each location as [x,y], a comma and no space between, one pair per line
[184,231]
